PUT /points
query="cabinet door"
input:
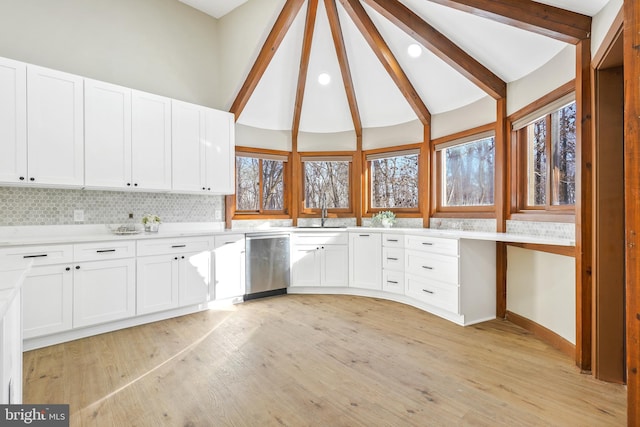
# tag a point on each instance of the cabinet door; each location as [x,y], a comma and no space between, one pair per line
[195,278]
[47,298]
[107,135]
[229,267]
[187,140]
[157,283]
[335,265]
[306,265]
[11,354]
[13,121]
[220,151]
[55,127]
[103,291]
[151,141]
[365,260]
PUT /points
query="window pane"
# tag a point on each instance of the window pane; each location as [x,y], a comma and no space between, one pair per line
[563,158]
[326,179]
[272,185]
[537,163]
[247,184]
[468,174]
[394,182]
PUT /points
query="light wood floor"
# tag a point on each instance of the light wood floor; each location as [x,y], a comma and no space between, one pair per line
[301,360]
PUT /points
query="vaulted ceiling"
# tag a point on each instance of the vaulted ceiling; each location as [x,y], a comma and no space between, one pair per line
[469,50]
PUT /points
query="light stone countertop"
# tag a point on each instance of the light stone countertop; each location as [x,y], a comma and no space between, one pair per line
[68,234]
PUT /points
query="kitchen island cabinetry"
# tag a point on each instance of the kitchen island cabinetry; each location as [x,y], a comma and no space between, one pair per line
[320,259]
[55,128]
[365,260]
[13,121]
[393,263]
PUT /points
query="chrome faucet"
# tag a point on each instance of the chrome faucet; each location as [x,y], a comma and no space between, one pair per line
[323,210]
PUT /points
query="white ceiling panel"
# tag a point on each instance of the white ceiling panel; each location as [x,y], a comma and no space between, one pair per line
[585,7]
[215,8]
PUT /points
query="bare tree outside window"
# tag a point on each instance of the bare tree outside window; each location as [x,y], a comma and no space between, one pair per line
[394,182]
[537,173]
[328,179]
[252,174]
[563,156]
[468,173]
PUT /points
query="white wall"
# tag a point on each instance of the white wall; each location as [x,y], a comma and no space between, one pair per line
[473,115]
[558,71]
[159,46]
[249,136]
[601,23]
[338,141]
[541,287]
[405,133]
[242,34]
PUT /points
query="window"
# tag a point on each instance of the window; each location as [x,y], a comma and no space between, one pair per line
[327,180]
[393,180]
[545,151]
[260,183]
[465,168]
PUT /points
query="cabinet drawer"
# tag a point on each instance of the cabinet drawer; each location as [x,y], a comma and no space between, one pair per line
[393,281]
[432,244]
[39,255]
[323,238]
[432,292]
[392,240]
[393,259]
[103,250]
[433,266]
[174,245]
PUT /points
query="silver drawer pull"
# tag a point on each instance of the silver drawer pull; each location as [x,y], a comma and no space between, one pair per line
[179,246]
[102,251]
[229,243]
[392,259]
[427,243]
[428,291]
[364,235]
[392,281]
[392,240]
[35,256]
[426,267]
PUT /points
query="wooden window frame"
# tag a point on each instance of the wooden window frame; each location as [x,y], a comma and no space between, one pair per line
[437,209]
[305,212]
[520,210]
[368,210]
[261,154]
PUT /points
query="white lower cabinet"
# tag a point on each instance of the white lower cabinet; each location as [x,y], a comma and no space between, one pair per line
[11,354]
[47,300]
[103,291]
[365,260]
[229,266]
[320,259]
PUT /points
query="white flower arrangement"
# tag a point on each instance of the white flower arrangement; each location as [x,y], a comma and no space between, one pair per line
[384,218]
[151,219]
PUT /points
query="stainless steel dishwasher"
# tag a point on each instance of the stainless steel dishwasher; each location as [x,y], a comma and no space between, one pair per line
[268,269]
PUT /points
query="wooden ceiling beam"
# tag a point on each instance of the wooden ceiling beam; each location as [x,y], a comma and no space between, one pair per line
[343,60]
[550,21]
[269,48]
[373,37]
[307,41]
[405,19]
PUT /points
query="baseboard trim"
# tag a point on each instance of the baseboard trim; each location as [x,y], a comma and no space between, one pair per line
[543,333]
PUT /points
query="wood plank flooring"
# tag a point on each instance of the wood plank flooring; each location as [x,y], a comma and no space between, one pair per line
[308,360]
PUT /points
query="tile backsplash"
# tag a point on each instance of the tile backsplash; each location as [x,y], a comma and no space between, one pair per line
[41,206]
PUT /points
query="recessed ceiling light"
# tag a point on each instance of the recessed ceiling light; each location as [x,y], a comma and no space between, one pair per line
[324,79]
[414,50]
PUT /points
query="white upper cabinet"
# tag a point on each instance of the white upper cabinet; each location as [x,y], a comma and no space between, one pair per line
[107,135]
[220,146]
[55,127]
[188,141]
[203,149]
[151,141]
[13,120]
